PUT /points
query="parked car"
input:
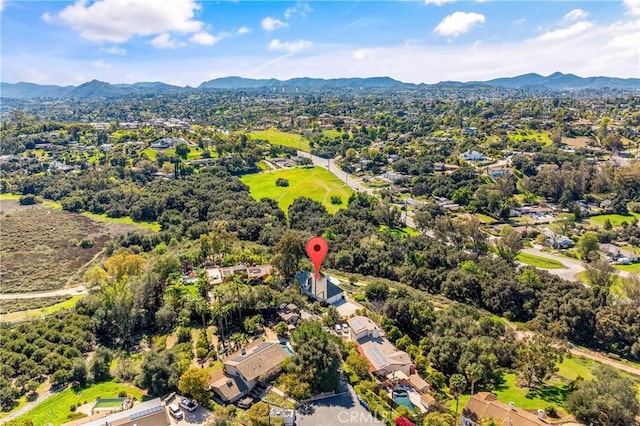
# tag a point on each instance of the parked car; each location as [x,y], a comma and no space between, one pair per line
[176,412]
[345,328]
[337,328]
[188,404]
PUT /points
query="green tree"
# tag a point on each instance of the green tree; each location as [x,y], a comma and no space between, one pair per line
[317,357]
[100,364]
[377,291]
[79,371]
[332,317]
[588,244]
[358,364]
[601,277]
[609,399]
[259,413]
[288,252]
[282,329]
[474,372]
[158,372]
[509,244]
[195,382]
[537,358]
[457,385]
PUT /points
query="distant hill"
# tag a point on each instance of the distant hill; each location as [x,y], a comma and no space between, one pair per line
[248,83]
[100,89]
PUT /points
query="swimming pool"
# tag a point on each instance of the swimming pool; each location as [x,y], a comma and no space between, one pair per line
[402,398]
[286,349]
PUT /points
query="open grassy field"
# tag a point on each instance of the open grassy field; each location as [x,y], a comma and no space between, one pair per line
[542,137]
[40,249]
[538,261]
[56,409]
[315,183]
[277,137]
[615,219]
[153,226]
[9,306]
[403,232]
[30,314]
[616,287]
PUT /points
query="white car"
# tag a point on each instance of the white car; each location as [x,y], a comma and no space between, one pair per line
[176,412]
[345,328]
[188,404]
[337,328]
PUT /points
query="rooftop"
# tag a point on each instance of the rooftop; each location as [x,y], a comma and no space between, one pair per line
[485,405]
[258,361]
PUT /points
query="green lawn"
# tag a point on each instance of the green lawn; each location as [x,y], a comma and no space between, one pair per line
[616,219]
[56,409]
[42,312]
[277,137]
[542,137]
[403,232]
[154,226]
[554,393]
[483,218]
[634,267]
[315,183]
[538,261]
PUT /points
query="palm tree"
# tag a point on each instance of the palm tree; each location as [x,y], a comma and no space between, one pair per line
[457,385]
[474,373]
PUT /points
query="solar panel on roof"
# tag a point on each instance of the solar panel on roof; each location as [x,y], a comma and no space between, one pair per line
[146,412]
[376,357]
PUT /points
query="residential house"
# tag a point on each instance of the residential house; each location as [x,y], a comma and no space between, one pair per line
[496,173]
[163,143]
[383,357]
[557,241]
[148,413]
[289,314]
[473,156]
[323,289]
[470,130]
[484,405]
[245,369]
[259,272]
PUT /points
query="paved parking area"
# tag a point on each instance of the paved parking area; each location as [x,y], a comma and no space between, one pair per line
[343,409]
[200,416]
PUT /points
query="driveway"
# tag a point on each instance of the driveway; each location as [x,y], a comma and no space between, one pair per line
[342,409]
[199,417]
[71,291]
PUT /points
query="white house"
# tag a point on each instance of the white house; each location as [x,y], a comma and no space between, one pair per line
[323,289]
[473,156]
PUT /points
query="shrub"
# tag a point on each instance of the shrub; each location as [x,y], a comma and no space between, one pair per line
[551,412]
[201,353]
[282,182]
[358,297]
[28,200]
[87,243]
[122,394]
[336,199]
[184,335]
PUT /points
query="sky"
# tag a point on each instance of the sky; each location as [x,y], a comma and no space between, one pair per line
[186,42]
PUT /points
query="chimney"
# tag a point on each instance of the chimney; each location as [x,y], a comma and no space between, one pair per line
[512,406]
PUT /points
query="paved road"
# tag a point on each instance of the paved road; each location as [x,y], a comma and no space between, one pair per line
[24,410]
[71,291]
[337,410]
[333,168]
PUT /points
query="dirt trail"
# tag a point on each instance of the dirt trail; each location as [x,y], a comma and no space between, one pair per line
[71,291]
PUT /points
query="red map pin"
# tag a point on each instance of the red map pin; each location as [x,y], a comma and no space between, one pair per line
[317,249]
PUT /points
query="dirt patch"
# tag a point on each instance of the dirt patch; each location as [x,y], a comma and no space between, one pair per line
[43,248]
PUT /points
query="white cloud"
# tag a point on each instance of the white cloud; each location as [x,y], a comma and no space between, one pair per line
[633,7]
[205,39]
[289,46]
[243,30]
[272,24]
[101,64]
[117,21]
[438,2]
[164,41]
[575,14]
[113,50]
[46,17]
[566,33]
[458,23]
[302,9]
[361,54]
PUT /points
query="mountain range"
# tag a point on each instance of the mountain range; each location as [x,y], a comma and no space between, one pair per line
[95,89]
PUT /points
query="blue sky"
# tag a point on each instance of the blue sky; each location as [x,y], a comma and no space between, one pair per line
[187,41]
